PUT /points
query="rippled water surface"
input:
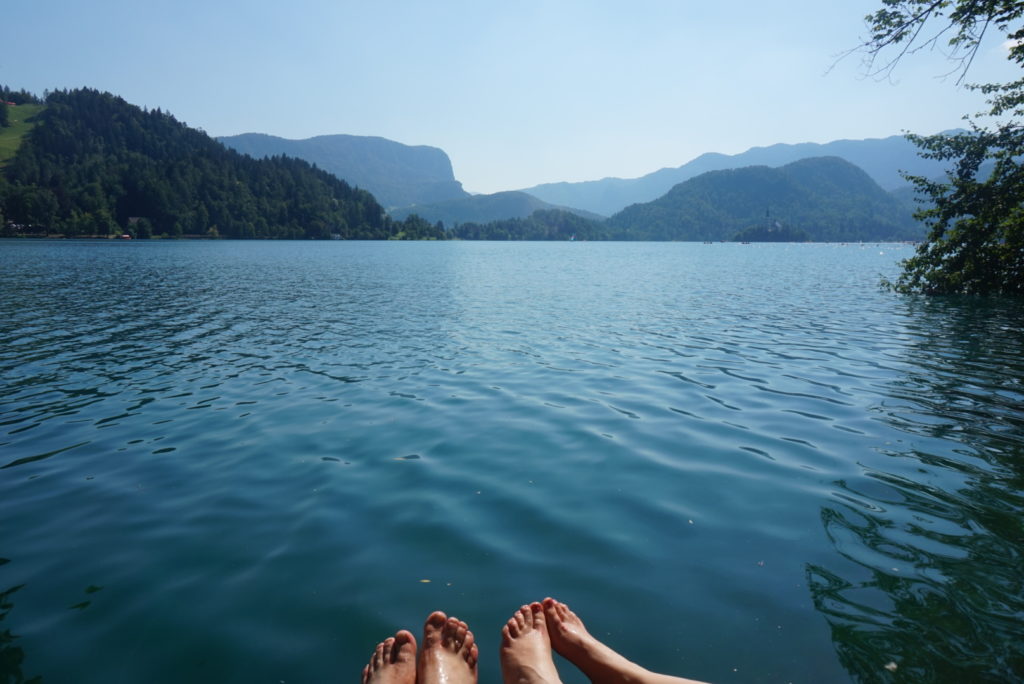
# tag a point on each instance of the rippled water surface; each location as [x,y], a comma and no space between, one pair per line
[249,462]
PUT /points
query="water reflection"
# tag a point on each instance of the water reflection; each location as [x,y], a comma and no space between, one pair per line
[930,585]
[12,655]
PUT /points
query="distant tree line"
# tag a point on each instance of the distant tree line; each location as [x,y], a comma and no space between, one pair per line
[772,233]
[95,165]
[18,97]
[543,224]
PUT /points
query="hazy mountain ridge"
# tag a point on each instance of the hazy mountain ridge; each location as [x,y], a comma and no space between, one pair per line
[396,174]
[881,158]
[828,197]
[419,180]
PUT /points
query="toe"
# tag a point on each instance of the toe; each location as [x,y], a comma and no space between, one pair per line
[459,637]
[510,630]
[433,628]
[537,616]
[404,646]
[451,628]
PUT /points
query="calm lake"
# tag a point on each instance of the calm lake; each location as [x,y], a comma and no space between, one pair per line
[251,461]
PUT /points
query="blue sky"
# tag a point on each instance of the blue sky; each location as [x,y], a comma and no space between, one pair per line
[517,93]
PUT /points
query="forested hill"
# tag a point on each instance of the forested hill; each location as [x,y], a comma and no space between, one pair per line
[828,198]
[96,165]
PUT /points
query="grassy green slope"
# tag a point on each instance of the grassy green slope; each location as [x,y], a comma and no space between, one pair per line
[21,124]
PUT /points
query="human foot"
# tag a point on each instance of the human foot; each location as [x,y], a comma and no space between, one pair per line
[526,649]
[599,662]
[393,661]
[568,635]
[449,652]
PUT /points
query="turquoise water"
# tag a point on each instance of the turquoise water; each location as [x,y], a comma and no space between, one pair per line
[240,462]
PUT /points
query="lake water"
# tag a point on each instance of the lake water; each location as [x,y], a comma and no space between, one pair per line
[249,462]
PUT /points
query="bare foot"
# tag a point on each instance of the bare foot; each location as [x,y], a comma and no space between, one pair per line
[449,652]
[599,662]
[393,661]
[526,649]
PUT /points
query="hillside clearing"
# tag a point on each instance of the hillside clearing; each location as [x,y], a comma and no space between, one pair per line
[21,117]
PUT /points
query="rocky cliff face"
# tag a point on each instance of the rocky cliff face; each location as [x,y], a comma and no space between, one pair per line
[398,175]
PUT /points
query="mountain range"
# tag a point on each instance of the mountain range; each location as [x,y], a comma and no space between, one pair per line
[881,158]
[419,179]
[206,189]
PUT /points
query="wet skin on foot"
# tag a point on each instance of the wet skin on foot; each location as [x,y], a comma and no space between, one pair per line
[449,654]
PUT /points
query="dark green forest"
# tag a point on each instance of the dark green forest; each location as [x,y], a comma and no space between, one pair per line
[95,165]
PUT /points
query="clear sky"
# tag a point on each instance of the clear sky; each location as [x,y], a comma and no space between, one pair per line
[516,92]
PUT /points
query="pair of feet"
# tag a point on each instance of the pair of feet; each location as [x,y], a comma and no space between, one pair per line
[449,654]
[448,657]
